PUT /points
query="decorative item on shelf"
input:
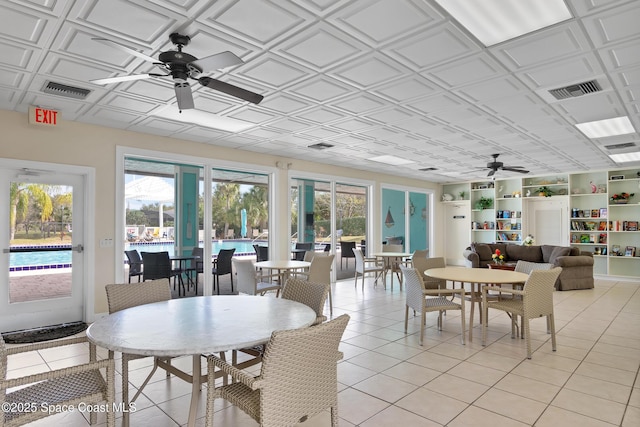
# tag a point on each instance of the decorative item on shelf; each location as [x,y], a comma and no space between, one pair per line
[447,197]
[621,199]
[593,187]
[484,203]
[461,195]
[616,177]
[577,191]
[389,222]
[528,193]
[516,194]
[498,257]
[602,188]
[544,191]
[528,241]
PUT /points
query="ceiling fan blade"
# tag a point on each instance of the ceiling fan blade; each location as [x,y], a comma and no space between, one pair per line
[125,49]
[491,172]
[121,79]
[230,89]
[184,96]
[514,169]
[218,61]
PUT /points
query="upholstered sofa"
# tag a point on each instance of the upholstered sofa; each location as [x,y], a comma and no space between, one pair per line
[577,267]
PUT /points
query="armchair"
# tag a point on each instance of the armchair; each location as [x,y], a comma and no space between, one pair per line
[65,387]
[366,265]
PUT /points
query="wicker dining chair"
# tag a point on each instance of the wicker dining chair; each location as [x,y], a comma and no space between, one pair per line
[320,271]
[64,387]
[122,296]
[312,294]
[298,377]
[423,299]
[135,264]
[536,301]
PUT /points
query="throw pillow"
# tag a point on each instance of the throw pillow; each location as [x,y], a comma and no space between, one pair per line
[558,252]
[483,251]
[547,250]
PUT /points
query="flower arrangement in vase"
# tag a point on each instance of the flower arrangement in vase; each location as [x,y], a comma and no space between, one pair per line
[621,198]
[498,257]
[528,241]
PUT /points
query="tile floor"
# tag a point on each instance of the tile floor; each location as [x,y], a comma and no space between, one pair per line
[387,379]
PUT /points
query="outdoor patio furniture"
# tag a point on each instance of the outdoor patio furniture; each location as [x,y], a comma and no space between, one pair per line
[135,264]
[346,252]
[222,267]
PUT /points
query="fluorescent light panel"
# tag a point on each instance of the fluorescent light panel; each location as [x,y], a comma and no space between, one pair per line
[204,119]
[626,157]
[391,160]
[608,127]
[494,21]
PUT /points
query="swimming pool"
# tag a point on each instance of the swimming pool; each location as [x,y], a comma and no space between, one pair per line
[19,261]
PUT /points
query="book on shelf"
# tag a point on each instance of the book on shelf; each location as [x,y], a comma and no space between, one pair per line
[595,213]
[602,238]
[602,225]
[603,212]
[630,251]
[632,226]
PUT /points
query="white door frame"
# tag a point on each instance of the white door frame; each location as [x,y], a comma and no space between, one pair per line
[87,271]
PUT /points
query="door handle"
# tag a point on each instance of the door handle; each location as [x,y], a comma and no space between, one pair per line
[78,248]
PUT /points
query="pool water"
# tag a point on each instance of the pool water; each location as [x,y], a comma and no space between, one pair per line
[63,258]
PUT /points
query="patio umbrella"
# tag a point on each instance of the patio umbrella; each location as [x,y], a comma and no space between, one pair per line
[243,223]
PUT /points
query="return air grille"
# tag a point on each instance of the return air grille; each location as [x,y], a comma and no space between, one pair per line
[573,91]
[320,146]
[620,146]
[65,90]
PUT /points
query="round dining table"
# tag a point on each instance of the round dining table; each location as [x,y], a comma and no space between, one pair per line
[387,259]
[283,267]
[476,277]
[197,326]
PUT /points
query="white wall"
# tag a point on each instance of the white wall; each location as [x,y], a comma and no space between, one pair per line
[94,146]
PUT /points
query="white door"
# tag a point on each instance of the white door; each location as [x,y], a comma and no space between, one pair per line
[42,259]
[457,225]
[547,220]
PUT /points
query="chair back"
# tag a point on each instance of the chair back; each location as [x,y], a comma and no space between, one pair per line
[357,253]
[198,263]
[306,246]
[527,267]
[223,263]
[413,287]
[346,249]
[327,247]
[308,293]
[538,292]
[320,269]
[135,262]
[125,295]
[246,275]
[300,373]
[423,264]
[262,252]
[392,248]
[308,256]
[156,265]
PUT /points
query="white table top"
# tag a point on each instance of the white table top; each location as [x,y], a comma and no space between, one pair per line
[477,275]
[392,254]
[198,325]
[283,264]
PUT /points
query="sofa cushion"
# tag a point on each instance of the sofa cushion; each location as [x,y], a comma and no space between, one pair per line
[483,250]
[559,251]
[524,253]
[546,252]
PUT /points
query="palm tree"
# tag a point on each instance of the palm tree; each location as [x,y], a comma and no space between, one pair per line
[225,204]
[256,203]
[18,205]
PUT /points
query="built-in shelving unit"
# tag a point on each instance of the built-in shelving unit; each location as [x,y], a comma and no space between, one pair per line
[597,224]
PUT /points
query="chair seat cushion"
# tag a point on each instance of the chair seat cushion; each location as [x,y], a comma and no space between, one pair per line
[243,397]
[89,385]
[441,303]
[510,305]
[264,287]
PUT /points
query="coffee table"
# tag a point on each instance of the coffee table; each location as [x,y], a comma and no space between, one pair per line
[510,266]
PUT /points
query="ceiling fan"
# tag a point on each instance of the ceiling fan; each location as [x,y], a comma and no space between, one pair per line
[495,165]
[181,67]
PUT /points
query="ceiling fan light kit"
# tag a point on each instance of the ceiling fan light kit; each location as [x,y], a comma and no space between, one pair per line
[181,67]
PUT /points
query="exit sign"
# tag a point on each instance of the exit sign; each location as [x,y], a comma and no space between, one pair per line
[43,116]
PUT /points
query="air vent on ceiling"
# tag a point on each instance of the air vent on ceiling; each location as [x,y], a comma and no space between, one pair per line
[573,91]
[620,146]
[427,169]
[65,90]
[320,146]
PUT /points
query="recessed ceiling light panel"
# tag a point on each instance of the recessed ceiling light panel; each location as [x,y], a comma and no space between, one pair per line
[626,157]
[205,119]
[391,160]
[608,127]
[494,21]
